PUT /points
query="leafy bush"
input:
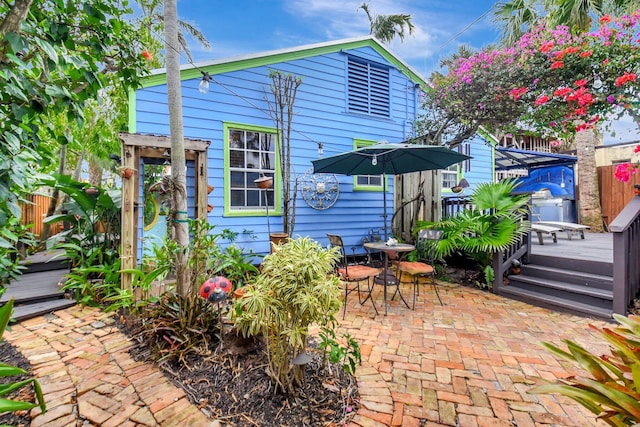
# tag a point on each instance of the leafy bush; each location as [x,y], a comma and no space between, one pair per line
[176,326]
[294,290]
[92,236]
[495,223]
[613,391]
[347,356]
[8,405]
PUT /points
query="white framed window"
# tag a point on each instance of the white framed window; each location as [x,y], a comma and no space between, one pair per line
[450,176]
[368,88]
[250,153]
[366,182]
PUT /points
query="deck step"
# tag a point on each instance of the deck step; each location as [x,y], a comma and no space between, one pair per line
[27,311]
[542,299]
[580,278]
[35,287]
[597,297]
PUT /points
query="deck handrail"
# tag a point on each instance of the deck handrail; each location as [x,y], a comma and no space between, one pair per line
[626,256]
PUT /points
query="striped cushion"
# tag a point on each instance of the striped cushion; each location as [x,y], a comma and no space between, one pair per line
[357,272]
[413,267]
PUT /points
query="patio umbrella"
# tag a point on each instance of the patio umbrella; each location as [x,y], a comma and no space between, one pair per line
[387,158]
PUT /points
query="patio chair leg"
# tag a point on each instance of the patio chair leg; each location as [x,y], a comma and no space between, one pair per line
[435,288]
[369,292]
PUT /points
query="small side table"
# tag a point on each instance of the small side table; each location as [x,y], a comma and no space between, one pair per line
[386,277]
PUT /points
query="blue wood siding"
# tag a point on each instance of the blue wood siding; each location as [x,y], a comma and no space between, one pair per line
[321,117]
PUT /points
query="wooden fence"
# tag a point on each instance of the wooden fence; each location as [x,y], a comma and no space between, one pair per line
[34,213]
[614,195]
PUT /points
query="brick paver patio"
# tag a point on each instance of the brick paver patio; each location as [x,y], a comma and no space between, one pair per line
[467,363]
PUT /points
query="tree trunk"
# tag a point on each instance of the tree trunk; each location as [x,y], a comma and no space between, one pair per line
[178,162]
[589,212]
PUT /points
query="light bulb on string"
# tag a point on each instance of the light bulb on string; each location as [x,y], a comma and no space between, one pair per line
[203,87]
[374,160]
[320,150]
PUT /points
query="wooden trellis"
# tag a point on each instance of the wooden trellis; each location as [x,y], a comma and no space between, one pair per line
[134,148]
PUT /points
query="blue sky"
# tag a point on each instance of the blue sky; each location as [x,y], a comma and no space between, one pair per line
[238,27]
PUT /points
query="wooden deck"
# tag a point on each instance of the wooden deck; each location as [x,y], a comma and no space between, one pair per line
[594,247]
[38,290]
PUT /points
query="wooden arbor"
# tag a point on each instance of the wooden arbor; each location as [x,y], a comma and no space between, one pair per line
[136,148]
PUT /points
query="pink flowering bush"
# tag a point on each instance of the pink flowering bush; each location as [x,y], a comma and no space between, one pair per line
[555,82]
[624,171]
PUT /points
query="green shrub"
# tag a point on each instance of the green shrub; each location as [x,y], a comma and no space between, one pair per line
[613,391]
[294,290]
[176,326]
[8,405]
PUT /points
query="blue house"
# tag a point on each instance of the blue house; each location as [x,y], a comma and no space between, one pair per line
[354,92]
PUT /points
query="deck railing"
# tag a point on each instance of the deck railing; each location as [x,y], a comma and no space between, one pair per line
[626,256]
[452,205]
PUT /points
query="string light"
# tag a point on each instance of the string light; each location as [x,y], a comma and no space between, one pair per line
[203,87]
[207,79]
[374,160]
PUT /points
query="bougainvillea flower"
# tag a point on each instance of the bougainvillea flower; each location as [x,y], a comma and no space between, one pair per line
[605,19]
[586,54]
[563,92]
[518,92]
[557,64]
[580,83]
[146,55]
[543,99]
[626,77]
[637,149]
[624,171]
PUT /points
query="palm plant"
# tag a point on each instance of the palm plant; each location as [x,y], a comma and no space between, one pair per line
[493,224]
[386,27]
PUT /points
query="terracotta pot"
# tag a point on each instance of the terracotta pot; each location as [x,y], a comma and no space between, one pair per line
[127,173]
[277,238]
[264,182]
[92,191]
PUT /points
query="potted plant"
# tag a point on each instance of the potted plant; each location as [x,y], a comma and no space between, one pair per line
[126,172]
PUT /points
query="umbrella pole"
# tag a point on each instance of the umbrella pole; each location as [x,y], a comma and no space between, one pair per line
[384,204]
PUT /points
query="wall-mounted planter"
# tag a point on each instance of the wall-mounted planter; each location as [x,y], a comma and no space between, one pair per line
[127,173]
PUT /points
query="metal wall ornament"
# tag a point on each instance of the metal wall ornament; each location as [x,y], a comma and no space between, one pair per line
[319,190]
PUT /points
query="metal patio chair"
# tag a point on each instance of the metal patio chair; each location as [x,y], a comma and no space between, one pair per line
[352,275]
[417,269]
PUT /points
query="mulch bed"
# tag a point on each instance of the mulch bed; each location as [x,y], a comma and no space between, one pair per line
[231,385]
[11,356]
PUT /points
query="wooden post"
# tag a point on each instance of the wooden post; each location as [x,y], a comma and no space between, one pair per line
[128,236]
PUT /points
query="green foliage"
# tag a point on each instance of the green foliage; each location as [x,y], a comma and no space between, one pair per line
[53,61]
[495,223]
[208,257]
[176,326]
[14,238]
[488,276]
[92,223]
[348,356]
[294,290]
[8,405]
[613,390]
[90,240]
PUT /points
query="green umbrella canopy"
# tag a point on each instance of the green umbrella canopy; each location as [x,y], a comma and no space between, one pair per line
[388,158]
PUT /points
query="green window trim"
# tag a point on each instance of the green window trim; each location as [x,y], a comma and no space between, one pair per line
[358,143]
[277,182]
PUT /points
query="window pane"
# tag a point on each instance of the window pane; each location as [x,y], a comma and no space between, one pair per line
[236,158]
[251,155]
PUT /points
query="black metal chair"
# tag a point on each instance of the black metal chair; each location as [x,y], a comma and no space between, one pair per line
[352,275]
[427,239]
